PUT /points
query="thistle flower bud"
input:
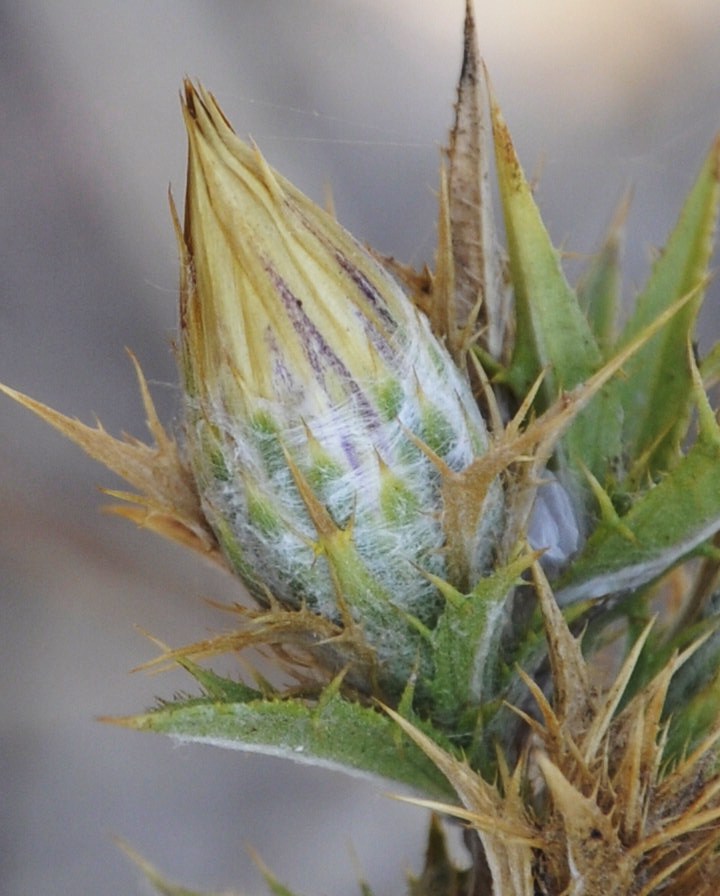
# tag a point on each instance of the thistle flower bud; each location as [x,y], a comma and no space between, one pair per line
[322,415]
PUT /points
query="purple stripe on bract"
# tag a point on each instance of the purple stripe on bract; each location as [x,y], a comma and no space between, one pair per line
[350,453]
[321,357]
[283,381]
[374,298]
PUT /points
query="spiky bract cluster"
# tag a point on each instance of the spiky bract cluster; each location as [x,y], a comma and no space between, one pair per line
[597,803]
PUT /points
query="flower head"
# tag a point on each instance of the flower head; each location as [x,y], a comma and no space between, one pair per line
[322,415]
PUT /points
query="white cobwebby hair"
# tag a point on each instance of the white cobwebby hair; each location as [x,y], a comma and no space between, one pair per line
[357,442]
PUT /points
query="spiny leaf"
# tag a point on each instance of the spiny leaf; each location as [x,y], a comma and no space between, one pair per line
[694,702]
[222,690]
[710,367]
[599,290]
[466,642]
[335,734]
[551,329]
[663,525]
[552,333]
[656,392]
[516,446]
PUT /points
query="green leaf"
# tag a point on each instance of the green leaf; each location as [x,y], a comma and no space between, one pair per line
[333,733]
[216,687]
[710,367]
[551,329]
[552,334]
[466,644]
[599,290]
[661,527]
[656,393]
[695,708]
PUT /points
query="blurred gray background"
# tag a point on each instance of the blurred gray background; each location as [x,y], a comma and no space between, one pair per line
[356,94]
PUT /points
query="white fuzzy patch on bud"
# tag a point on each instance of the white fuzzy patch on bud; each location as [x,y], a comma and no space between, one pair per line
[365,457]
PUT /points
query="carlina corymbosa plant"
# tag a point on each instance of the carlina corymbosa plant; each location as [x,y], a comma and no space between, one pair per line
[459,499]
